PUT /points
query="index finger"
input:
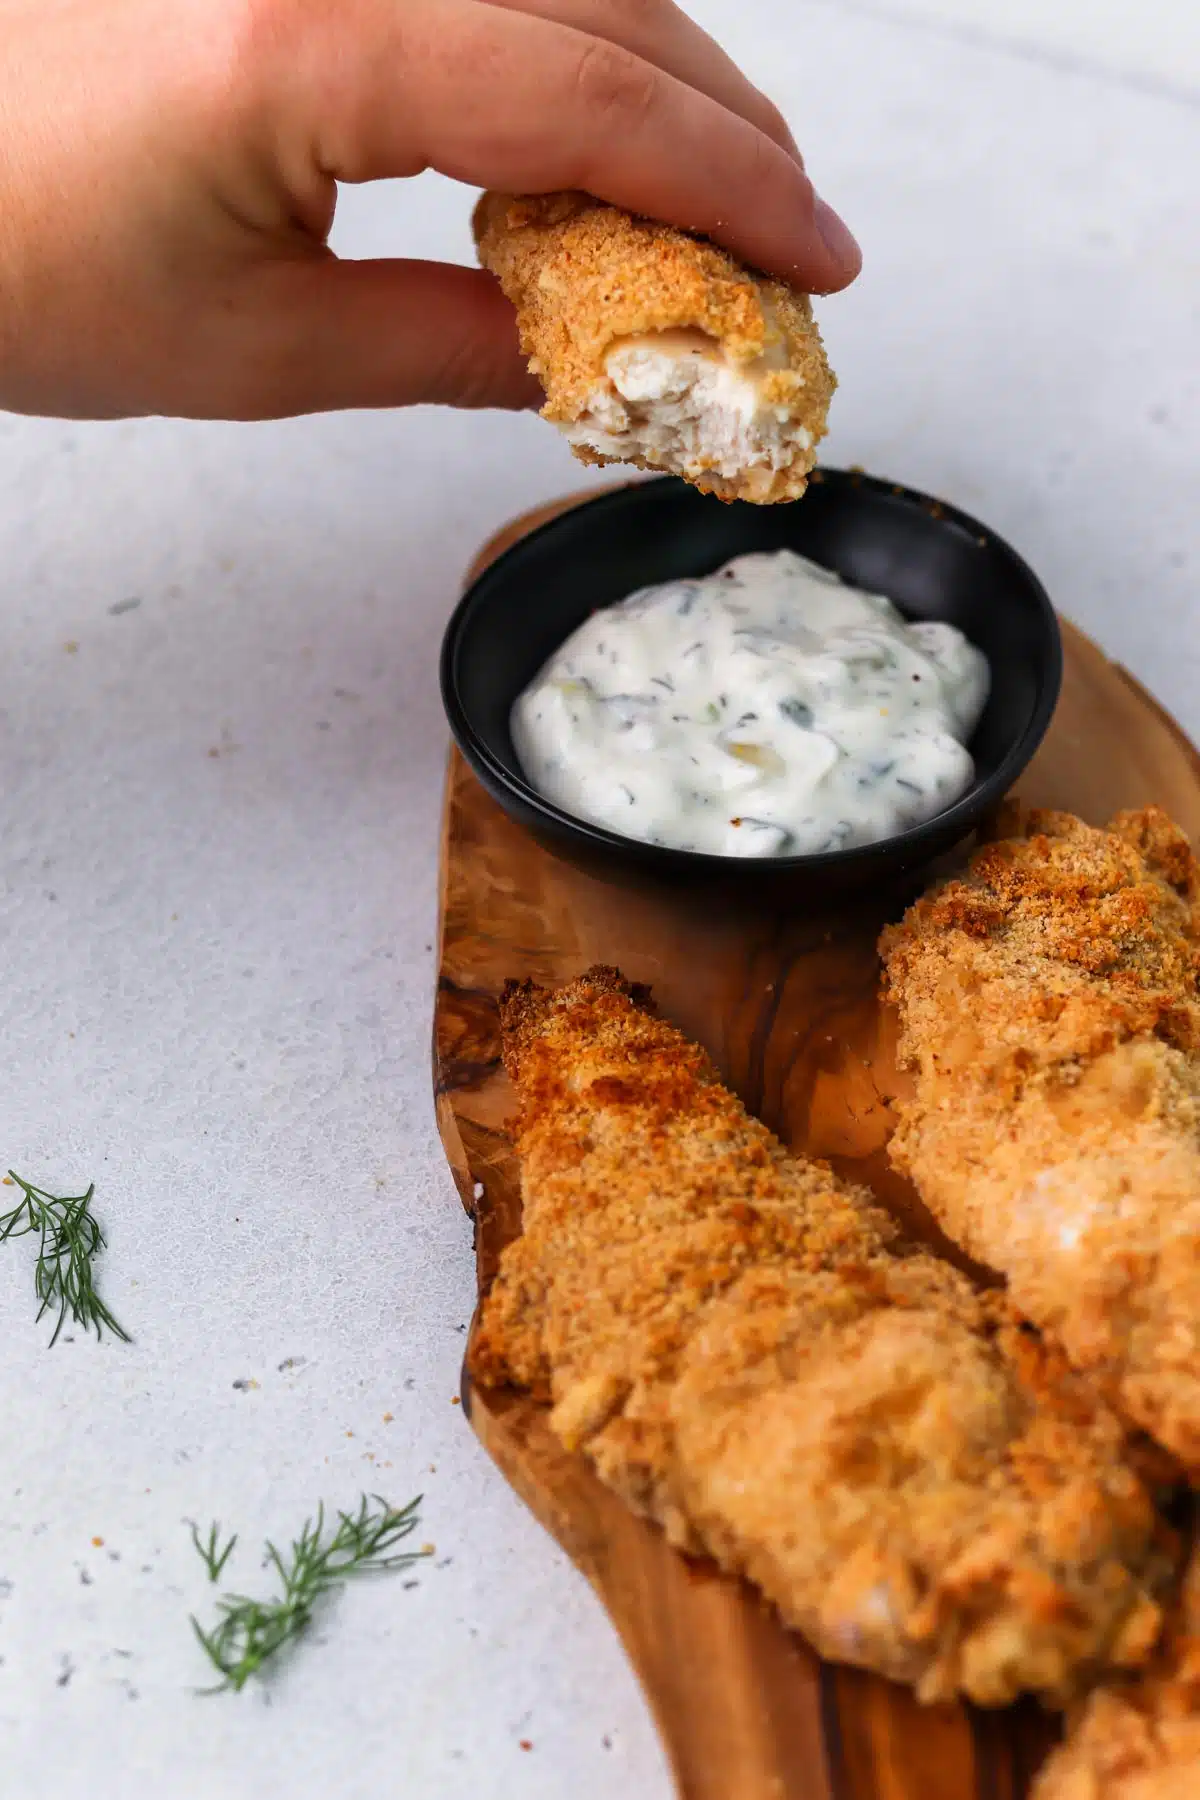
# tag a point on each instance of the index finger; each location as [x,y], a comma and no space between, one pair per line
[660,32]
[507,100]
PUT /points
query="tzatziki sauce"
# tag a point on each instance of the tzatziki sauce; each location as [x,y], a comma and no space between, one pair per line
[767,709]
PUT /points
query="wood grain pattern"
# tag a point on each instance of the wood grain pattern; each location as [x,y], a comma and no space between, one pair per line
[787,1007]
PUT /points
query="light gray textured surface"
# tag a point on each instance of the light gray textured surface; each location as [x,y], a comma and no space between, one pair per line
[219,819]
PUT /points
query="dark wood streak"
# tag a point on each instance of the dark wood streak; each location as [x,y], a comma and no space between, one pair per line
[745,1710]
[756,1061]
[1036,1734]
[454,1074]
[1010,1747]
[837,1772]
[987,1764]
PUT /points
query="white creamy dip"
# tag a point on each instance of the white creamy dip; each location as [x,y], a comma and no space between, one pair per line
[765,710]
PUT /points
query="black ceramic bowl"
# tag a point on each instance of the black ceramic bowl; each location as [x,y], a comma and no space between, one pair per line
[931,560]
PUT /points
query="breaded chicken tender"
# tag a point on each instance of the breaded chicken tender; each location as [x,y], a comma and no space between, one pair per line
[733,1339]
[1050,1010]
[1139,1740]
[656,348]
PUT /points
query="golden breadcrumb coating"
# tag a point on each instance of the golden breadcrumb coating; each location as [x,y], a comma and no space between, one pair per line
[1139,1740]
[723,1330]
[583,276]
[1050,1009]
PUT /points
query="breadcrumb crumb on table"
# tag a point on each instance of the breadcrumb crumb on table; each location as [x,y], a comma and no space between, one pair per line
[656,348]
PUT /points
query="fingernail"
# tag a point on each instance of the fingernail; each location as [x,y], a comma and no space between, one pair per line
[837,237]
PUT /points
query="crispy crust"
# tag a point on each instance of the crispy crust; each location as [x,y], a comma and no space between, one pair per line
[1139,1740]
[1050,1008]
[731,1337]
[581,275]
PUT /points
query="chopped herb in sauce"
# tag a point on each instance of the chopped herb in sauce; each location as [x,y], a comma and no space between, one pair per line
[851,724]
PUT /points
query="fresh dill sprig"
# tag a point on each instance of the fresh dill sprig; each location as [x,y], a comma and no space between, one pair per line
[69,1241]
[209,1549]
[248,1631]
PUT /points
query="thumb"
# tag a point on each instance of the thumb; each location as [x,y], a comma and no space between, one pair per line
[338,334]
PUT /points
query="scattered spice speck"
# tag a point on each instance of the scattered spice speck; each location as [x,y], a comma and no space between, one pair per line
[387,1418]
[454,1400]
[527,1743]
[349,1434]
[428,1549]
[71,646]
[99,1542]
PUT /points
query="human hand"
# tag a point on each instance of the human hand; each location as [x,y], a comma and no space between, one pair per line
[169,175]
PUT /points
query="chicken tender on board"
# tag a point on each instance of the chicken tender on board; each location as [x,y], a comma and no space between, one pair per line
[1139,1740]
[1050,1010]
[730,1336]
[656,348]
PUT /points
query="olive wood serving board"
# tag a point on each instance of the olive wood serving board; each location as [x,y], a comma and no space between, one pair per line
[787,1006]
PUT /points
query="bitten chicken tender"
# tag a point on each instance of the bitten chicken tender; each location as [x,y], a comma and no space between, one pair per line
[1139,1740]
[731,1337]
[1050,1009]
[656,348]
